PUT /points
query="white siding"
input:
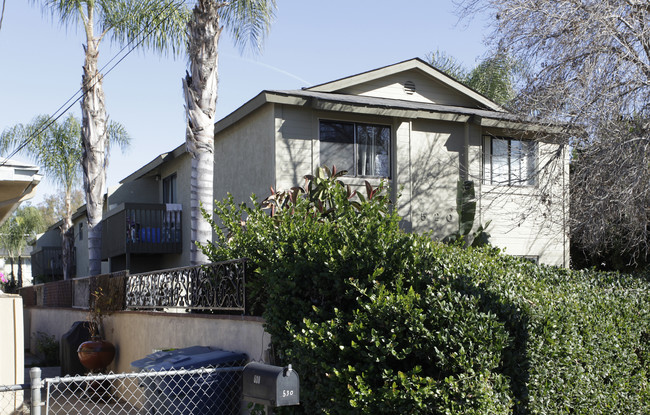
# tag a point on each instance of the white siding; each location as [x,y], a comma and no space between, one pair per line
[529,220]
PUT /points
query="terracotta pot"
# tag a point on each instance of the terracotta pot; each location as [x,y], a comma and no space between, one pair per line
[96,354]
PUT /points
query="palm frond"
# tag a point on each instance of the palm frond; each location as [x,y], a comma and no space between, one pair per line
[248,21]
[148,24]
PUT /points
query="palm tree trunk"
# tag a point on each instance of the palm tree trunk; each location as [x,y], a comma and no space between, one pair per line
[67,237]
[200,89]
[13,277]
[94,141]
[20,272]
[67,257]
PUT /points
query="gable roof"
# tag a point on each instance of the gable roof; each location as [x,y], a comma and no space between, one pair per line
[412,64]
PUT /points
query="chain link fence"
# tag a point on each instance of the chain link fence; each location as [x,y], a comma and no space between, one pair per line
[12,399]
[178,392]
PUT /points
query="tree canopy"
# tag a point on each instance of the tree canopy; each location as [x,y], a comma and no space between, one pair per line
[15,232]
[495,76]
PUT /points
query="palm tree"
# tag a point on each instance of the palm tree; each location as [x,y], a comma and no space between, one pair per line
[150,24]
[56,148]
[248,21]
[23,224]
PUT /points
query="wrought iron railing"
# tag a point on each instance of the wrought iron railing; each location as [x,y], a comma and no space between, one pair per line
[217,286]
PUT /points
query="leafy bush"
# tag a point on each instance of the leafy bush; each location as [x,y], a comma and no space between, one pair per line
[47,347]
[379,321]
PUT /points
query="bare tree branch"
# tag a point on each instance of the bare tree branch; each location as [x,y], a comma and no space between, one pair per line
[589,68]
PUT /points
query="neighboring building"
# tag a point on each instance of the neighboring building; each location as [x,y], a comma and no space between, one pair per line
[25,265]
[18,183]
[407,123]
[47,255]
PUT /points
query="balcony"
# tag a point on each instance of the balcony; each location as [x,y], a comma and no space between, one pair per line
[47,263]
[142,228]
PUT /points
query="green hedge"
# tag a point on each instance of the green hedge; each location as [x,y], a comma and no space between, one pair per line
[378,321]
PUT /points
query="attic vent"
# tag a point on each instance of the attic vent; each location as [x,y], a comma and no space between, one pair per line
[409,87]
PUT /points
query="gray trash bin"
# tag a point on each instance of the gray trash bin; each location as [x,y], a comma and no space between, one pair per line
[215,393]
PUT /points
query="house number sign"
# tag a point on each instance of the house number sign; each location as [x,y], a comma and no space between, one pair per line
[437,217]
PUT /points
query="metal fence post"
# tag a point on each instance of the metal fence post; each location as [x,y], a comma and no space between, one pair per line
[35,375]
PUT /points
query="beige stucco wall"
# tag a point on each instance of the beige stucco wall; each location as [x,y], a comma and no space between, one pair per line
[244,157]
[297,145]
[138,334]
[154,331]
[11,346]
[143,190]
[435,155]
[427,162]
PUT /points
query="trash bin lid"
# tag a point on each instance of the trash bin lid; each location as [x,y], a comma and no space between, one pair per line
[188,358]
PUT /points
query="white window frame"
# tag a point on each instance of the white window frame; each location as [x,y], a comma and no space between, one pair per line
[355,146]
[528,178]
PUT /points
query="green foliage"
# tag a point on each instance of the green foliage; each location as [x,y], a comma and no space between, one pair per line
[495,77]
[56,146]
[47,348]
[248,21]
[23,224]
[53,206]
[378,321]
[151,24]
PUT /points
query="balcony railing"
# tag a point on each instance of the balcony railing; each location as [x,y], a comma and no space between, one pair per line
[142,229]
[47,263]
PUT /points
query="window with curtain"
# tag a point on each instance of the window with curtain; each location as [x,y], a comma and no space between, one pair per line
[361,149]
[509,161]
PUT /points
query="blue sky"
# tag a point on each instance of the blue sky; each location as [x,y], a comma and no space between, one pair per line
[309,43]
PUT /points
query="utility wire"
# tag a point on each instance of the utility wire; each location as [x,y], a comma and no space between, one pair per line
[52,119]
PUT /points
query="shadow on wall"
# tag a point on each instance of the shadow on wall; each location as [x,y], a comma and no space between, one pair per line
[435,169]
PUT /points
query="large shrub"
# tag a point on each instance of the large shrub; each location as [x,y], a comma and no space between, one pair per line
[349,301]
[379,321]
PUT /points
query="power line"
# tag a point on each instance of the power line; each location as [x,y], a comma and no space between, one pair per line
[52,119]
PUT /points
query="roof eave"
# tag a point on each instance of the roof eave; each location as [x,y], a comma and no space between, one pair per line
[334,104]
[154,164]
